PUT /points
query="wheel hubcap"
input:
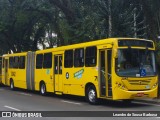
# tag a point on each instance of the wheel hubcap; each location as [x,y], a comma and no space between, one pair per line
[12,85]
[92,95]
[43,89]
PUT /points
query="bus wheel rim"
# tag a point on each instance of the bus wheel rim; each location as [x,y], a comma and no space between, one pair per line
[92,95]
[43,89]
[11,85]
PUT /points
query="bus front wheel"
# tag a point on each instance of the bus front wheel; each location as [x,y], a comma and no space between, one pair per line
[91,95]
[43,89]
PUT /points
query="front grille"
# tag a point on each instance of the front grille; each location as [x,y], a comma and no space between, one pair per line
[140,90]
[139,82]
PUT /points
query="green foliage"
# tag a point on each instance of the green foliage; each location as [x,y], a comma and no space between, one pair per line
[26,24]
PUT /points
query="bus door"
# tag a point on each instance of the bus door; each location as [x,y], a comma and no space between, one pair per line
[58,72]
[105,73]
[6,71]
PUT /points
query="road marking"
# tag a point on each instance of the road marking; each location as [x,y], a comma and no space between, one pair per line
[25,94]
[71,102]
[12,108]
[146,103]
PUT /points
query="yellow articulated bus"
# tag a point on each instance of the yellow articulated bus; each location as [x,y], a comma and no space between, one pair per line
[114,68]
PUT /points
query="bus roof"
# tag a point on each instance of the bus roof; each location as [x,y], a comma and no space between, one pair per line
[14,54]
[80,45]
[91,43]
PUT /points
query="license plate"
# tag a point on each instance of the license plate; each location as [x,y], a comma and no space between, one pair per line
[140,94]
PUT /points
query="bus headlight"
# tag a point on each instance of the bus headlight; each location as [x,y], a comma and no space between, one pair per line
[121,86]
[155,85]
[118,84]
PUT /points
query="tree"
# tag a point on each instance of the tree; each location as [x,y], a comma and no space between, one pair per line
[26,25]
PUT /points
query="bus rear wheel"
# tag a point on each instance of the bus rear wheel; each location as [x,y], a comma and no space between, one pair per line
[12,85]
[91,95]
[43,89]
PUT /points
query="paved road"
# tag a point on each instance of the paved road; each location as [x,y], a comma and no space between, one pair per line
[21,100]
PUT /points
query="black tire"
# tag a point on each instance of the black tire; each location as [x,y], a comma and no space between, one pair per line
[11,85]
[127,101]
[43,89]
[91,95]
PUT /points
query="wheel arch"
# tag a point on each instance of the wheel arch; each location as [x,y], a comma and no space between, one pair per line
[88,88]
[88,85]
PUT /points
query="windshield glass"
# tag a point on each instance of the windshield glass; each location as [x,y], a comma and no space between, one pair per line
[135,63]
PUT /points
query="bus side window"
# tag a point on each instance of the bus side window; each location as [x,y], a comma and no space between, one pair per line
[91,56]
[22,62]
[39,61]
[47,62]
[79,57]
[16,62]
[3,63]
[68,59]
[11,62]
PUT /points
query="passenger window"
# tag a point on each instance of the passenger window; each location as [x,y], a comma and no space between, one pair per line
[91,56]
[16,62]
[3,62]
[39,61]
[68,60]
[11,62]
[79,57]
[47,62]
[22,62]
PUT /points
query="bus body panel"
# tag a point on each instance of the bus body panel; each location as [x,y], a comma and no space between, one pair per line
[5,79]
[45,75]
[18,76]
[15,74]
[78,78]
[124,89]
[120,94]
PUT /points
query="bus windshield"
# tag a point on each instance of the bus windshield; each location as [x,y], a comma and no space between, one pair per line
[135,63]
